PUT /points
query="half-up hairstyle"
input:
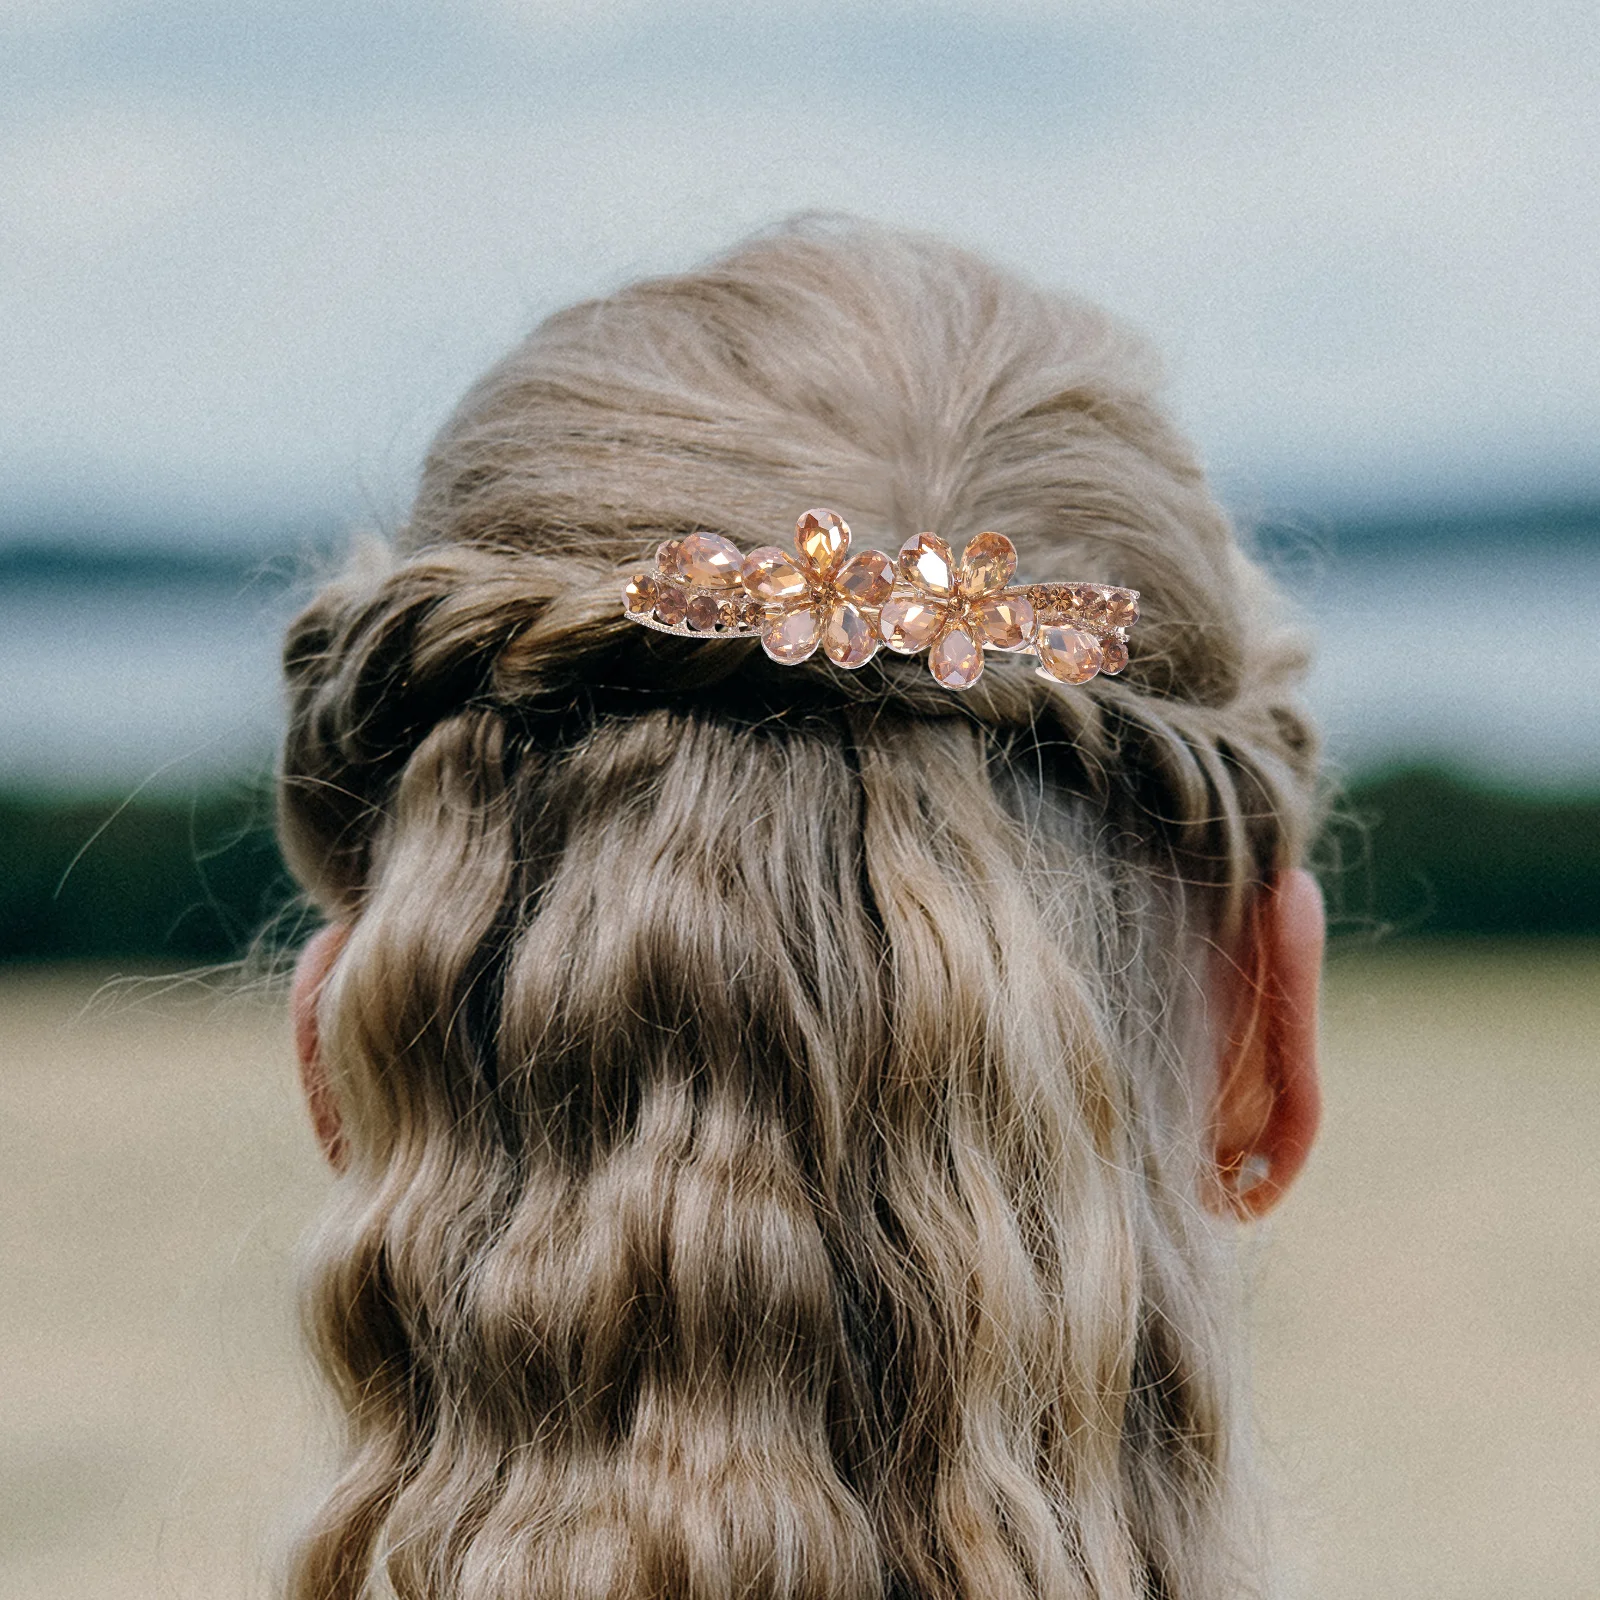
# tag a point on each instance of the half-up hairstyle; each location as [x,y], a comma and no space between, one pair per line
[775,1099]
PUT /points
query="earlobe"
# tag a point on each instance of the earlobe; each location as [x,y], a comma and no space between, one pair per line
[310,974]
[1269,1096]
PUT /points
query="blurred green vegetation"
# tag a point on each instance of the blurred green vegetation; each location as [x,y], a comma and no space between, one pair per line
[185,882]
[152,879]
[1418,852]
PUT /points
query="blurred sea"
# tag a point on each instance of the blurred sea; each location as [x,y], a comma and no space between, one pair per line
[1475,646]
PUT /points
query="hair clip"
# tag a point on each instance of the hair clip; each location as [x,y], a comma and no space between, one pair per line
[822,597]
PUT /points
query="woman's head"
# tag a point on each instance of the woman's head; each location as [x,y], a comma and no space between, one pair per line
[776,1104]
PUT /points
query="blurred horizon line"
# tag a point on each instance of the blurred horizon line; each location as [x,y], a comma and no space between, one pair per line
[70,543]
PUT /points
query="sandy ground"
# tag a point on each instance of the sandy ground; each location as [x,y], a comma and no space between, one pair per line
[1427,1306]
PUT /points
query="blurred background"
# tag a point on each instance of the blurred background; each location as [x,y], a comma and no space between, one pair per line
[249,257]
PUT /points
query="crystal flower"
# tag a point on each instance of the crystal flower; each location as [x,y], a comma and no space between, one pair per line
[820,595]
[956,610]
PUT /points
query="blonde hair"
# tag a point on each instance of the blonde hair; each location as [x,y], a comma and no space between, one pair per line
[775,1098]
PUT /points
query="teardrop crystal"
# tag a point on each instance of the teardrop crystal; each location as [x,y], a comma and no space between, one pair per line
[821,538]
[988,563]
[672,604]
[708,561]
[1069,654]
[789,639]
[956,660]
[770,574]
[866,579]
[1003,621]
[925,561]
[847,638]
[909,621]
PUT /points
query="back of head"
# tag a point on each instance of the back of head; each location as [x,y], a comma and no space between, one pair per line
[774,1097]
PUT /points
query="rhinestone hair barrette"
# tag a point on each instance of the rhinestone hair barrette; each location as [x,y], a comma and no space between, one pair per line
[820,597]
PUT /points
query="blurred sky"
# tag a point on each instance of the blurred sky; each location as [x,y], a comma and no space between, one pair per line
[251,252]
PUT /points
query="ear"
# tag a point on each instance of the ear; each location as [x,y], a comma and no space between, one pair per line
[1269,1094]
[310,973]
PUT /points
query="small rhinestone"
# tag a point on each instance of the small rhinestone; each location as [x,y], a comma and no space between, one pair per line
[1122,609]
[640,594]
[672,605]
[1092,605]
[702,613]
